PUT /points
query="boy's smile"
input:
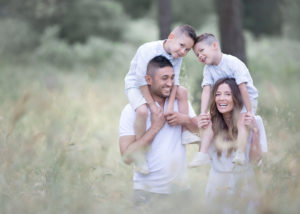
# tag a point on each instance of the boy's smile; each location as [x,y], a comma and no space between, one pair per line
[205,53]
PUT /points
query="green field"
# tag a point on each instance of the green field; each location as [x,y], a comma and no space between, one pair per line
[59,128]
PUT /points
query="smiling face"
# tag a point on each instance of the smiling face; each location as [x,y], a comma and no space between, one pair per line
[179,45]
[206,53]
[224,99]
[162,82]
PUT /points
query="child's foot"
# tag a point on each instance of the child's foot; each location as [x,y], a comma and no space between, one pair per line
[239,158]
[200,159]
[142,167]
[188,137]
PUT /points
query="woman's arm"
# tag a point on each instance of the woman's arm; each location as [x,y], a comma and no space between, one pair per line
[255,150]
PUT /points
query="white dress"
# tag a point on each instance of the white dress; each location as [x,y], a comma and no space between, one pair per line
[227,183]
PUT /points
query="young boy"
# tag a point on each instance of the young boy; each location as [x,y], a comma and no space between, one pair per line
[180,41]
[219,65]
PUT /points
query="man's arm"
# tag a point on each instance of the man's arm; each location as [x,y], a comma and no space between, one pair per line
[177,118]
[172,99]
[129,145]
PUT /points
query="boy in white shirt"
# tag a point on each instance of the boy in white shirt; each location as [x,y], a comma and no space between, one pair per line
[219,65]
[180,41]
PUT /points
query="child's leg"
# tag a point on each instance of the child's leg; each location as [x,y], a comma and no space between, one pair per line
[183,105]
[140,121]
[202,157]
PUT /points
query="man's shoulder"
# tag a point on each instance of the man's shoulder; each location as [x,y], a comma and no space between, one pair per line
[127,110]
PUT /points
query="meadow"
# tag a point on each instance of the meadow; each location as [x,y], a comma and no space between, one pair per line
[59,116]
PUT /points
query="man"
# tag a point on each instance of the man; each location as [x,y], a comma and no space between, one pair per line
[166,156]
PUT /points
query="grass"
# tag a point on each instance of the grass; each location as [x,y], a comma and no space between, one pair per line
[59,133]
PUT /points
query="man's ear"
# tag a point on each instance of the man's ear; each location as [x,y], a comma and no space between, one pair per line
[148,79]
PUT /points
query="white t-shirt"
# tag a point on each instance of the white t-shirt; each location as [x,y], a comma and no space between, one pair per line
[230,67]
[138,66]
[166,156]
[225,176]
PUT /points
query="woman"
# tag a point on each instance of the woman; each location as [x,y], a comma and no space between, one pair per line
[233,184]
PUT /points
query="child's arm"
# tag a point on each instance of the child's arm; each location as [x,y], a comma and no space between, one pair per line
[205,99]
[146,93]
[245,97]
[172,99]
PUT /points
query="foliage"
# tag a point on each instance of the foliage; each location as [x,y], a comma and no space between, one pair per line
[80,19]
[16,36]
[77,20]
[192,12]
[291,15]
[59,53]
[136,8]
[263,17]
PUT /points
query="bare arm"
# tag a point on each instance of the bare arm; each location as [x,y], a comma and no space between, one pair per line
[205,99]
[146,93]
[129,145]
[255,148]
[172,99]
[177,118]
[245,96]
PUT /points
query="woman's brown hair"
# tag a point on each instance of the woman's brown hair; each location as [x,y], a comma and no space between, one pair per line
[227,133]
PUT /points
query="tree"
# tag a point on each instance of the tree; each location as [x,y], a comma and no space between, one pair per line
[231,29]
[263,17]
[164,18]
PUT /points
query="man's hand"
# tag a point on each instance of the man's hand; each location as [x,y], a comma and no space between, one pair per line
[203,120]
[176,118]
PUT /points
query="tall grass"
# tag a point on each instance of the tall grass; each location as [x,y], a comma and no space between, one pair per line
[59,133]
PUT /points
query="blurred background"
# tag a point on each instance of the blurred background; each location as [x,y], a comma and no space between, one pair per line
[63,64]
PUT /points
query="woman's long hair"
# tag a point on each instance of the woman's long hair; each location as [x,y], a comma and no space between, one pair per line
[224,133]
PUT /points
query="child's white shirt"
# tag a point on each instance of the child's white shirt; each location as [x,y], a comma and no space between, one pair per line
[135,78]
[230,67]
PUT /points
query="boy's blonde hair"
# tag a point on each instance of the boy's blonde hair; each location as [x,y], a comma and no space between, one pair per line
[208,38]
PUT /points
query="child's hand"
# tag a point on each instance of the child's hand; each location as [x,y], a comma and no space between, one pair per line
[249,120]
[203,120]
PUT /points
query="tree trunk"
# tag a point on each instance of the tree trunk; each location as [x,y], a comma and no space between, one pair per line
[231,29]
[164,18]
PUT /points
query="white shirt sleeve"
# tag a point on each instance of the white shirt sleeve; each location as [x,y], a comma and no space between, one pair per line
[207,78]
[140,68]
[241,72]
[127,120]
[176,68]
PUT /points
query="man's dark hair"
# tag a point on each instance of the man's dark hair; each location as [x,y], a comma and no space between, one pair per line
[156,63]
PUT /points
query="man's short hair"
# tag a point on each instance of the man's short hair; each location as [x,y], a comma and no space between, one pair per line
[156,63]
[188,30]
[208,38]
